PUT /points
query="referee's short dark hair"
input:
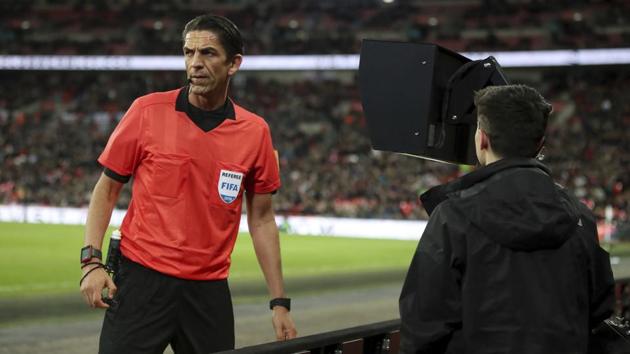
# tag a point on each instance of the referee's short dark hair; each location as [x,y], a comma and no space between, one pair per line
[226,30]
[514,117]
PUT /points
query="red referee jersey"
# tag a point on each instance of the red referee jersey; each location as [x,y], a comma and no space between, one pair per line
[187,184]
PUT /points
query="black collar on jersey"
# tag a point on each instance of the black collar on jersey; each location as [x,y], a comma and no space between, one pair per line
[205,120]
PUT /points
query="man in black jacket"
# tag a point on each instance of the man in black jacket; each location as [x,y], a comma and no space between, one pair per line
[509,261]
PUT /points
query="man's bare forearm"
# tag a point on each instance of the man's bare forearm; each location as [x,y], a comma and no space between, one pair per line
[267,247]
[264,231]
[102,203]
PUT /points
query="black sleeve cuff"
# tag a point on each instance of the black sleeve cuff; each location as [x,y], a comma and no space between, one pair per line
[115,176]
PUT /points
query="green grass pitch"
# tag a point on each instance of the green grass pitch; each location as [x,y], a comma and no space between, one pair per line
[37,259]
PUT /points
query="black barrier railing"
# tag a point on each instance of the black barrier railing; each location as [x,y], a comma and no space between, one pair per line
[375,338]
[380,337]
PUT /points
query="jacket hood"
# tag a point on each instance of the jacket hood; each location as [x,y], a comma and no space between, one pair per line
[516,204]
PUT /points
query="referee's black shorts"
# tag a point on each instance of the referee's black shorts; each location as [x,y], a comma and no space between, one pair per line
[152,310]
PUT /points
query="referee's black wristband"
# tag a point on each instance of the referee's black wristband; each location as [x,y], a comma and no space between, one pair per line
[280,301]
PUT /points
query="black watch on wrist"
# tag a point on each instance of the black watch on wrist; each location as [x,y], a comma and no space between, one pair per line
[89,252]
[280,301]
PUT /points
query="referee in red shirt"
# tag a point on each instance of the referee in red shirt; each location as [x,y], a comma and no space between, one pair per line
[192,153]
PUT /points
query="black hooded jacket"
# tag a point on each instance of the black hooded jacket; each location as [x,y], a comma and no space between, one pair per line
[508,263]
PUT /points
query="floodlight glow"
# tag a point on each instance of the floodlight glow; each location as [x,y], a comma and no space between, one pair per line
[540,58]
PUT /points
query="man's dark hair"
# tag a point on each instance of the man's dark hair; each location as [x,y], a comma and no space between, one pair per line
[226,30]
[514,117]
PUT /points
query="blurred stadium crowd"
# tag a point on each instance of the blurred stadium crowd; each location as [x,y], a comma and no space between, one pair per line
[312,26]
[53,125]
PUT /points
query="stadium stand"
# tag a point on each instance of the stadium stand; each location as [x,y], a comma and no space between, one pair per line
[121,27]
[56,124]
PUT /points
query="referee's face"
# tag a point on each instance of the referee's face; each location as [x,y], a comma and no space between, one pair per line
[207,65]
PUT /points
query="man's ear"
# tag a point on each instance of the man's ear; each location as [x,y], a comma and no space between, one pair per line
[235,64]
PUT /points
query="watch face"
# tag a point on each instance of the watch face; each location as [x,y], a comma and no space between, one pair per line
[86,254]
[89,252]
